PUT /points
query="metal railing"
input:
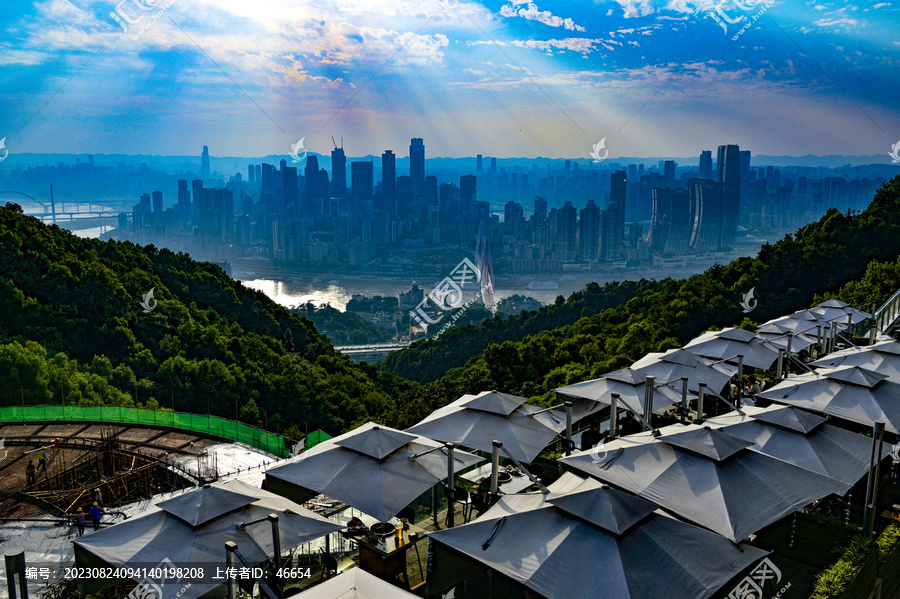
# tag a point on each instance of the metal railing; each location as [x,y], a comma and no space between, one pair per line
[887,315]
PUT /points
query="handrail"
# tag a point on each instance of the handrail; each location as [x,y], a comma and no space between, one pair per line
[888,313]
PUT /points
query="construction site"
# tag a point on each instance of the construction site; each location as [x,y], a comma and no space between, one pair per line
[119,465]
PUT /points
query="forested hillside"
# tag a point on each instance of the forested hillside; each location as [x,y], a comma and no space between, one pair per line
[820,258]
[72,330]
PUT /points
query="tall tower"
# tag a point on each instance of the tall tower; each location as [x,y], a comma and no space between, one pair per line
[389,183]
[339,172]
[566,232]
[361,180]
[417,165]
[705,170]
[467,189]
[729,174]
[311,180]
[589,233]
[204,163]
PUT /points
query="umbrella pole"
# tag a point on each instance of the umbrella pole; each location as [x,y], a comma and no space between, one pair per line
[780,366]
[276,547]
[872,484]
[230,548]
[451,487]
[872,331]
[788,354]
[613,415]
[648,400]
[684,399]
[700,398]
[568,405]
[740,381]
[495,467]
[821,347]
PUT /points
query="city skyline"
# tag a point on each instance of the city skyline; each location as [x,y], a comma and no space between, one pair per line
[501,79]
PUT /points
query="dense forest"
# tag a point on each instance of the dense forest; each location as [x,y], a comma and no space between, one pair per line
[72,328]
[605,328]
[342,328]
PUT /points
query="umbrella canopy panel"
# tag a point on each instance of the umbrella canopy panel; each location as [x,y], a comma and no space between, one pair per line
[378,486]
[629,384]
[355,584]
[730,342]
[559,547]
[525,431]
[159,537]
[851,393]
[730,490]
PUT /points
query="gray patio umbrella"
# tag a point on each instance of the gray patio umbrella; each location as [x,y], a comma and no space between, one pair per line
[376,469]
[190,532]
[671,366]
[730,342]
[475,421]
[355,583]
[708,477]
[882,357]
[852,393]
[791,324]
[803,439]
[587,541]
[837,311]
[629,384]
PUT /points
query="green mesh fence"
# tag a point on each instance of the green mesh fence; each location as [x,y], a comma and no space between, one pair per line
[209,425]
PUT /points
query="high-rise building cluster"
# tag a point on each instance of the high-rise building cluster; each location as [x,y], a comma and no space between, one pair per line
[579,216]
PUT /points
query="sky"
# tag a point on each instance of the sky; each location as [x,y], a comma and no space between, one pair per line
[506,79]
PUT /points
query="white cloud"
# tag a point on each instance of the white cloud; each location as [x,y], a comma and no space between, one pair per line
[532,13]
[838,23]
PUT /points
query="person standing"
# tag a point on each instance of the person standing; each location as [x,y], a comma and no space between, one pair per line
[98,496]
[79,521]
[42,459]
[29,473]
[591,437]
[96,512]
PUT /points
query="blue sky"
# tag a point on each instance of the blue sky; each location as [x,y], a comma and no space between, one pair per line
[251,77]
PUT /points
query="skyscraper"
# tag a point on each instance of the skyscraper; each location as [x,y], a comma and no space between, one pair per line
[611,233]
[311,184]
[467,189]
[251,174]
[204,163]
[707,207]
[157,202]
[728,173]
[669,172]
[478,160]
[361,180]
[566,232]
[289,185]
[417,165]
[589,233]
[705,171]
[197,188]
[184,199]
[389,183]
[404,198]
[540,209]
[339,172]
[618,189]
